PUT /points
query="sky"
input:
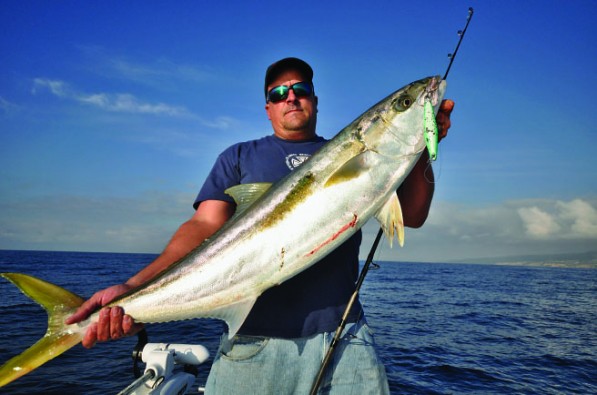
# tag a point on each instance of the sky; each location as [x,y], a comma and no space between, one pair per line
[112,113]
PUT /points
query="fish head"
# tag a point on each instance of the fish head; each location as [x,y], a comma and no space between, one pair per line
[395,126]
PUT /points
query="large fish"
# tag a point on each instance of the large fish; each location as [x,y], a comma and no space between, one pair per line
[273,236]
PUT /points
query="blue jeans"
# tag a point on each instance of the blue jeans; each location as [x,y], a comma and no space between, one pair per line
[260,365]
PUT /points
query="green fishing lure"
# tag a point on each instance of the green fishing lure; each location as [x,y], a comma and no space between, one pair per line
[431,132]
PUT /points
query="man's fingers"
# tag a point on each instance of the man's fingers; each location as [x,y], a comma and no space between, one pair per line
[103,325]
[90,336]
[447,106]
[443,118]
[129,327]
[112,324]
[116,330]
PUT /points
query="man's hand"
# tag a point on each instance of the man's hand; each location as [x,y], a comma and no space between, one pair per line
[112,324]
[443,118]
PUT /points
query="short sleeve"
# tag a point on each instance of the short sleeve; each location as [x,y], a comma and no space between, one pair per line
[224,174]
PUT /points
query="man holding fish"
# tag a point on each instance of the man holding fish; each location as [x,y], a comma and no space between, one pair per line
[282,341]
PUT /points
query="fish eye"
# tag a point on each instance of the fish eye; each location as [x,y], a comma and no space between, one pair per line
[403,103]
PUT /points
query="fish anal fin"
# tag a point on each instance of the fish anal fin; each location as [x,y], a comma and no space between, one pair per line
[245,194]
[390,219]
[59,304]
[234,314]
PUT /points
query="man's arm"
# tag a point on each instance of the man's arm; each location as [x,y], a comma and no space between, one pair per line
[113,323]
[208,218]
[416,191]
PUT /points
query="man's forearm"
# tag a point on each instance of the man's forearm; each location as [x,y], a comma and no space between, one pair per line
[185,239]
[416,192]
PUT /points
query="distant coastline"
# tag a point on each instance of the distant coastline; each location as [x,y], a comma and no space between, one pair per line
[582,260]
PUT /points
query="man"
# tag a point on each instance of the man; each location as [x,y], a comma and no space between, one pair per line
[281,344]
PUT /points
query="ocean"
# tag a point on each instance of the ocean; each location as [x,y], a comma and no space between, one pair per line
[440,328]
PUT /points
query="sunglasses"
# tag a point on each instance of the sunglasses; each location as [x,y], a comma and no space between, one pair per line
[279,93]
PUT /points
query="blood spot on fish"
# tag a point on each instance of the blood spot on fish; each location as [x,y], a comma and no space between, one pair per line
[343,229]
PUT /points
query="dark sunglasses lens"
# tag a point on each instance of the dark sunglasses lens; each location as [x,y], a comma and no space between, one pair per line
[302,89]
[278,93]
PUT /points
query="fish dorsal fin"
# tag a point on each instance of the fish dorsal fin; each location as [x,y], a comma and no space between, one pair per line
[390,219]
[245,194]
[352,168]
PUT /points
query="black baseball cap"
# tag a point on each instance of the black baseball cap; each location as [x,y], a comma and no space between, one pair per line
[287,64]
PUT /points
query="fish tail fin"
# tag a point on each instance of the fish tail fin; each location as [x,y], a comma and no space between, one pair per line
[59,304]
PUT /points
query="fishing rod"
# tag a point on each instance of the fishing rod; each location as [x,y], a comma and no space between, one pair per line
[369,260]
[340,329]
[431,134]
[461,33]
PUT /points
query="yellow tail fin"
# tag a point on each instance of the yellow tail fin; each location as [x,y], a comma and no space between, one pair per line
[59,303]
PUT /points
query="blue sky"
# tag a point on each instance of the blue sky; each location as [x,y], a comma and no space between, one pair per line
[112,113]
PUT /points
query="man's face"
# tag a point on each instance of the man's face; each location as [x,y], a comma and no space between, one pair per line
[293,118]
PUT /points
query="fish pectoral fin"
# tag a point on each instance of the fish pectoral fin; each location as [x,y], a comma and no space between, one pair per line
[390,219]
[245,194]
[59,304]
[352,168]
[234,314]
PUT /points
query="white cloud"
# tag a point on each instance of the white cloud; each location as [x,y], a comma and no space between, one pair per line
[130,104]
[158,73]
[6,106]
[155,73]
[58,88]
[127,103]
[122,102]
[221,123]
[521,227]
[556,220]
[580,216]
[518,220]
[538,223]
[111,224]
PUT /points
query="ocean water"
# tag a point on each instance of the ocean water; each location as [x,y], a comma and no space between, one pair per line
[440,328]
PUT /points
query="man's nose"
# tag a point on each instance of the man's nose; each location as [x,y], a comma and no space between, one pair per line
[291,96]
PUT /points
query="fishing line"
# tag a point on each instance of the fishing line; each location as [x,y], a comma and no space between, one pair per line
[437,172]
[429,167]
[369,261]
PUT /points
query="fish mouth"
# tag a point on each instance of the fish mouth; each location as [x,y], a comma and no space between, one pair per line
[433,91]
